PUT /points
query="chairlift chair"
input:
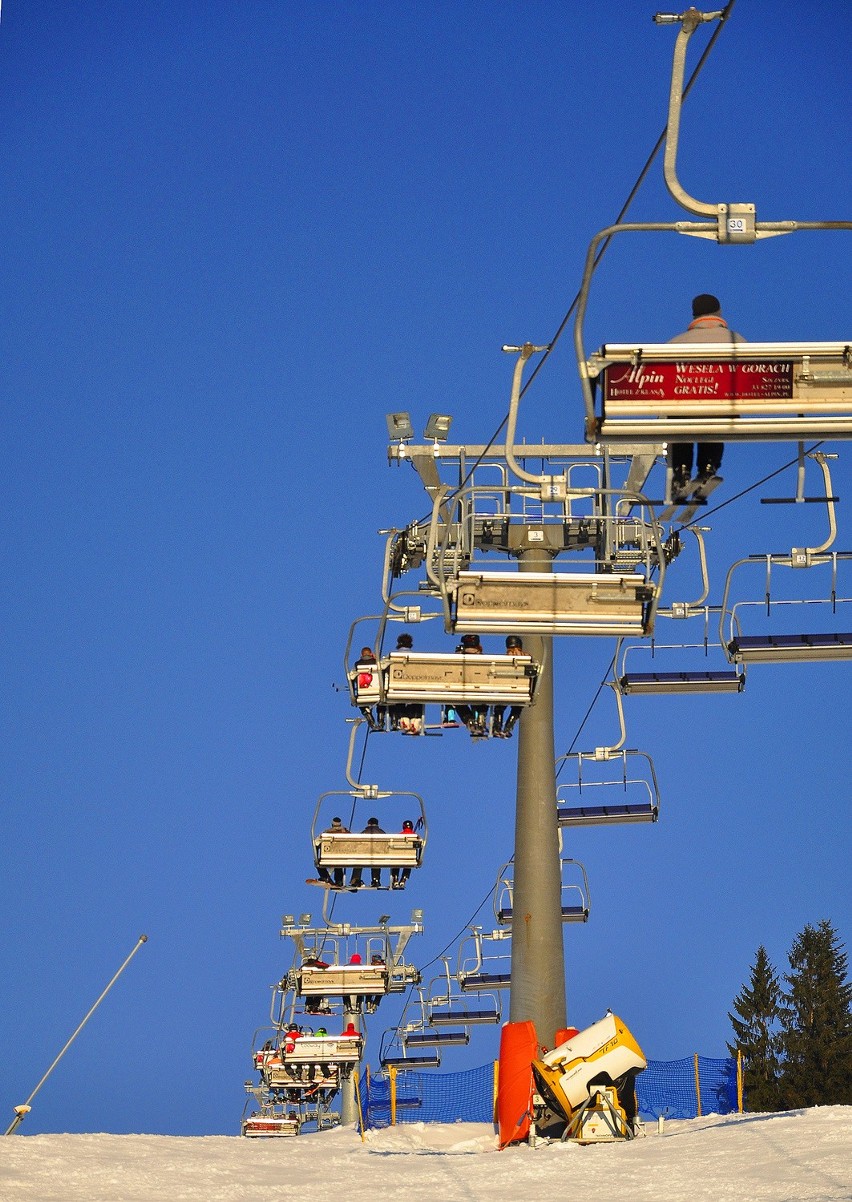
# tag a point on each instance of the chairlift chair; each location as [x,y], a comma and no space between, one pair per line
[725,391]
[615,595]
[382,690]
[575,900]
[820,641]
[480,967]
[448,1006]
[688,679]
[393,1053]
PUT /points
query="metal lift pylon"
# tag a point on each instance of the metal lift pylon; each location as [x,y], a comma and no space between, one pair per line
[537,992]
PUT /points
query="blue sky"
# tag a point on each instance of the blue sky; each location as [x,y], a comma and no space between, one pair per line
[235,237]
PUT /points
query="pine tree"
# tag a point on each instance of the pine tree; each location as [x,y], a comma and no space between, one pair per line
[817,1022]
[757,1035]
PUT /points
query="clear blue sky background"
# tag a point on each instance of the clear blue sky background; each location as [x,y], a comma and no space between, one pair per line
[234,237]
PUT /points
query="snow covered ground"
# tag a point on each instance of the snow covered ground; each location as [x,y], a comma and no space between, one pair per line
[802,1156]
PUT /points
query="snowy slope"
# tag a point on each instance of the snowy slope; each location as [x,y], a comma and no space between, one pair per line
[802,1156]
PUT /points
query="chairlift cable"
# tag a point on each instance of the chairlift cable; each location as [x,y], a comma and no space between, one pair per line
[588,712]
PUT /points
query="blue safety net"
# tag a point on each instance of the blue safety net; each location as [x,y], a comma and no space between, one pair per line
[428,1097]
[666,1087]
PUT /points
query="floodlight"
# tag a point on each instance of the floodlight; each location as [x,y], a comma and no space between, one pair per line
[304,919]
[287,920]
[399,426]
[383,918]
[416,915]
[438,426]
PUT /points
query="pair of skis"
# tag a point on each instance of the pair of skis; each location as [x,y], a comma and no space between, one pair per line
[692,496]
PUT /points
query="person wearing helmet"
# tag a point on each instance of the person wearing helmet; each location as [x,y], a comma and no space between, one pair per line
[474,717]
[399,876]
[356,879]
[514,646]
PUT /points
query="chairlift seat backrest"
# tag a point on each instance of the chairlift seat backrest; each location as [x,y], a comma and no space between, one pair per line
[372,851]
[739,390]
[582,603]
[454,678]
[341,979]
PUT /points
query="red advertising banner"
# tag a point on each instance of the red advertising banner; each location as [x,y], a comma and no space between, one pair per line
[698,381]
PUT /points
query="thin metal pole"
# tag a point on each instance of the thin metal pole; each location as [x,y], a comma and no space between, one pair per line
[21,1112]
[348,1097]
[538,958]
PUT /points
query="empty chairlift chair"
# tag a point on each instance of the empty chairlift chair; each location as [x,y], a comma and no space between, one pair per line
[575,899]
[693,673]
[448,1007]
[608,784]
[811,626]
[417,1033]
[395,1052]
[485,961]
[620,786]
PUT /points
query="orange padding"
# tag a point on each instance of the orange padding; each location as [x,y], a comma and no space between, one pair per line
[518,1049]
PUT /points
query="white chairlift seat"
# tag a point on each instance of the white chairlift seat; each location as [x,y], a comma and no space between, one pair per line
[455,679]
[730,391]
[335,850]
[655,683]
[580,603]
[790,648]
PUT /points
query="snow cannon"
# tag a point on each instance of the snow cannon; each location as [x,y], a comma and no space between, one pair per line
[597,1061]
